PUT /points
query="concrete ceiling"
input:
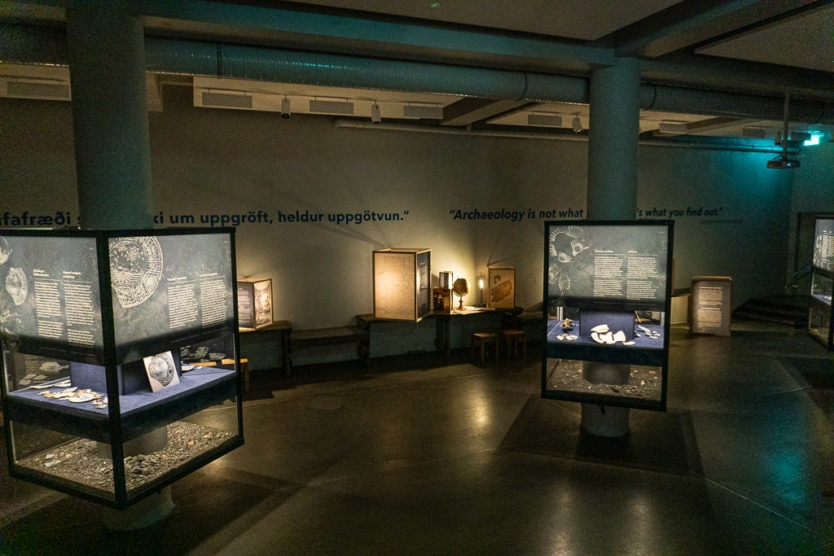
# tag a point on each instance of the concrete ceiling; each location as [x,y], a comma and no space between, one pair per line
[742,47]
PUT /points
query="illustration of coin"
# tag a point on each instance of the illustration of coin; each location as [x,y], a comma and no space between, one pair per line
[160,370]
[5,250]
[135,268]
[17,285]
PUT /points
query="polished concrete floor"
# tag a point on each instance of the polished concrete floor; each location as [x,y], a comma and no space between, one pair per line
[424,456]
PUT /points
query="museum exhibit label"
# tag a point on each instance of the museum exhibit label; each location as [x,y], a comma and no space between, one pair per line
[402,284]
[500,287]
[254,302]
[115,344]
[607,288]
[822,283]
[710,305]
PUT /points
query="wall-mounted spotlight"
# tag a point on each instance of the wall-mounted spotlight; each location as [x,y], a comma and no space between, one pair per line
[285,108]
[576,125]
[375,115]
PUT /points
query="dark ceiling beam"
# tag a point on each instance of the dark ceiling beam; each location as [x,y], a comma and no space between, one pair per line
[693,22]
[754,78]
[334,31]
[468,111]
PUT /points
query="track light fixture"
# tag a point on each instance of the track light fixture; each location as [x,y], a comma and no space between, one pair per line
[285,108]
[576,125]
[375,115]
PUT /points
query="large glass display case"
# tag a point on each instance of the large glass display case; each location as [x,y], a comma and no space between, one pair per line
[607,297]
[822,283]
[99,330]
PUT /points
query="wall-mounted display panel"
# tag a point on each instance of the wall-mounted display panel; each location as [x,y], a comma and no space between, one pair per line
[711,305]
[607,291]
[97,399]
[822,283]
[254,302]
[402,284]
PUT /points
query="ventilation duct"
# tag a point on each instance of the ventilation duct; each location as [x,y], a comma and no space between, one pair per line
[425,112]
[31,45]
[225,100]
[46,91]
[335,107]
[287,66]
[544,120]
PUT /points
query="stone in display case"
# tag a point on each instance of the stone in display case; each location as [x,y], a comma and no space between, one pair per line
[96,399]
[607,287]
[402,284]
[822,283]
[254,302]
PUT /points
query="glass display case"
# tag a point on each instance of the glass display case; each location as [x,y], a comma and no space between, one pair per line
[101,393]
[402,284]
[607,296]
[822,283]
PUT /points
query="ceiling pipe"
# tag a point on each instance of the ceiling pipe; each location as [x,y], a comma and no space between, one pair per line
[702,143]
[37,45]
[268,64]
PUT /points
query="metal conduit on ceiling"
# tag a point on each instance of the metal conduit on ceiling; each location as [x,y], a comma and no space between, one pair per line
[30,45]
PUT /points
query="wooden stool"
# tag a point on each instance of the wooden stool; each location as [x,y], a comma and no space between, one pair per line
[514,338]
[483,340]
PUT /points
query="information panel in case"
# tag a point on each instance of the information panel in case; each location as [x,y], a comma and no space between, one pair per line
[402,284]
[607,296]
[711,307]
[254,302]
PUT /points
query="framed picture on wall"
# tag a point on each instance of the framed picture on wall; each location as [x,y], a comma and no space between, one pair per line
[501,287]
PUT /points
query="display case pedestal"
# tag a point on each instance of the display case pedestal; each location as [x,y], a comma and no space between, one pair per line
[607,421]
[144,513]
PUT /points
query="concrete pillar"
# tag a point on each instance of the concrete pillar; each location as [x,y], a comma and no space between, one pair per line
[110,117]
[112,154]
[613,140]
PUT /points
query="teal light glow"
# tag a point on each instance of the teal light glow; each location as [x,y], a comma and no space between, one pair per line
[814,140]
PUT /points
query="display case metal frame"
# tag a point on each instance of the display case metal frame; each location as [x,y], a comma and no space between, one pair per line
[129,418]
[584,290]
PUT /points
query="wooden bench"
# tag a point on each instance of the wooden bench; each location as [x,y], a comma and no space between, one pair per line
[316,337]
[281,328]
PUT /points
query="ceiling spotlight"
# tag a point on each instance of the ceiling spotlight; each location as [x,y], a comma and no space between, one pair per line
[285,108]
[576,125]
[375,116]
